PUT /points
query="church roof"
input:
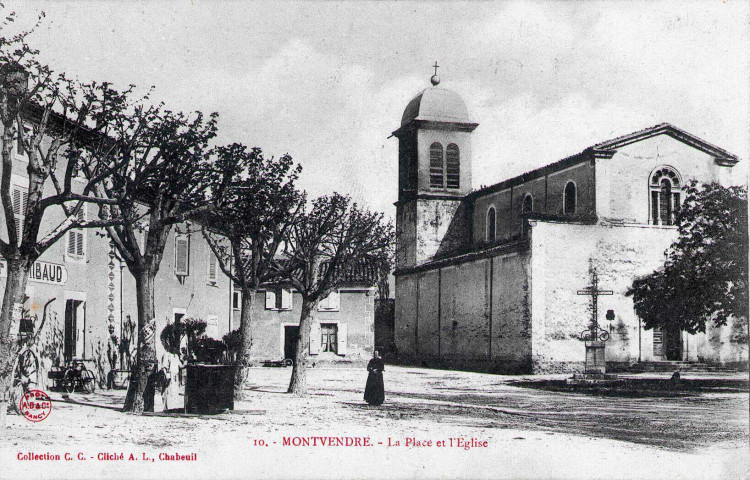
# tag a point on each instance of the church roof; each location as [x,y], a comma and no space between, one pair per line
[436,104]
[608,148]
[720,154]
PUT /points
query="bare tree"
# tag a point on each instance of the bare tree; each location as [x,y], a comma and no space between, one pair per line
[322,246]
[247,229]
[42,114]
[162,174]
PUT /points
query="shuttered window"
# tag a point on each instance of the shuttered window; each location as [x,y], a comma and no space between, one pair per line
[331,303]
[453,166]
[20,200]
[76,238]
[329,337]
[278,299]
[436,166]
[182,256]
[213,268]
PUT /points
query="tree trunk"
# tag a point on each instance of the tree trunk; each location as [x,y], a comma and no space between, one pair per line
[298,383]
[15,288]
[140,396]
[242,378]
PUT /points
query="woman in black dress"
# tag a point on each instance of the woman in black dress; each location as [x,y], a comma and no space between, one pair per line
[374,390]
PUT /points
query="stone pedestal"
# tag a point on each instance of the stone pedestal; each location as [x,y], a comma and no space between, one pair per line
[595,362]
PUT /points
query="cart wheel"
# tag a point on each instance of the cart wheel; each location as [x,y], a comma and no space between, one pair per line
[88,381]
[69,380]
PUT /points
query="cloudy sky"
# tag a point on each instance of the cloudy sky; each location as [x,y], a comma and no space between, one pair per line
[328,82]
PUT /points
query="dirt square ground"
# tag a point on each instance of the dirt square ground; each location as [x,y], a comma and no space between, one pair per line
[434,424]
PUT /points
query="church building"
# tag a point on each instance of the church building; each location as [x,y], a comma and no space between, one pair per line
[487,279]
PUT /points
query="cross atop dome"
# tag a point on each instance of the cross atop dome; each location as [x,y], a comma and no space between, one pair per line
[435,79]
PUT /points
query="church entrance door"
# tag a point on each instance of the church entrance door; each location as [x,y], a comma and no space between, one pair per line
[668,343]
[673,343]
[291,338]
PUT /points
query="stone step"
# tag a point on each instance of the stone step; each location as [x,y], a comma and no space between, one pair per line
[668,366]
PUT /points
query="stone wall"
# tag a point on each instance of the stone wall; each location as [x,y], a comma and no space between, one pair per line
[471,315]
[561,256]
[547,192]
[623,181]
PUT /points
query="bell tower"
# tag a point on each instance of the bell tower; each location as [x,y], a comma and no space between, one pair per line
[434,175]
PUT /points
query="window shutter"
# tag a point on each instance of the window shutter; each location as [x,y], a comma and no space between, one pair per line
[436,166]
[20,201]
[270,300]
[71,243]
[212,267]
[342,339]
[79,243]
[330,303]
[315,338]
[181,256]
[76,237]
[286,299]
[453,166]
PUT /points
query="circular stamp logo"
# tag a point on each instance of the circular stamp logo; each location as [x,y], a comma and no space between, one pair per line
[35,405]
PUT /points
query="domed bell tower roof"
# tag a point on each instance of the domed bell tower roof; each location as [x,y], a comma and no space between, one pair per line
[436,104]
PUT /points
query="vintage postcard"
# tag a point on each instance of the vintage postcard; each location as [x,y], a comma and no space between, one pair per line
[374,240]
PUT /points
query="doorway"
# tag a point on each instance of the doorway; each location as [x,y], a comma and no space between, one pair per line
[74,336]
[668,343]
[291,339]
[673,343]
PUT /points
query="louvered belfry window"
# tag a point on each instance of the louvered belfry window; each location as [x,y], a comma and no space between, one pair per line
[453,166]
[76,237]
[436,166]
[182,256]
[20,200]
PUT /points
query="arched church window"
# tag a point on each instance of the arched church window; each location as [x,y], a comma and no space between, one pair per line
[569,199]
[526,207]
[665,185]
[528,204]
[436,166]
[491,224]
[453,166]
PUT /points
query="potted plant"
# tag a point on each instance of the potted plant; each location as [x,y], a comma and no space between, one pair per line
[209,383]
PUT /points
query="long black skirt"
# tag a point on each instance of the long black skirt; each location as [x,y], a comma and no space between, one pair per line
[374,390]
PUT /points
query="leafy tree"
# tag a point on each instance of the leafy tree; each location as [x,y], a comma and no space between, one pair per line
[332,239]
[247,228]
[705,277]
[42,114]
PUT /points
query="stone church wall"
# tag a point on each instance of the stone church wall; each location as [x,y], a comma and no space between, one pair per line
[472,315]
[622,181]
[561,256]
[547,193]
